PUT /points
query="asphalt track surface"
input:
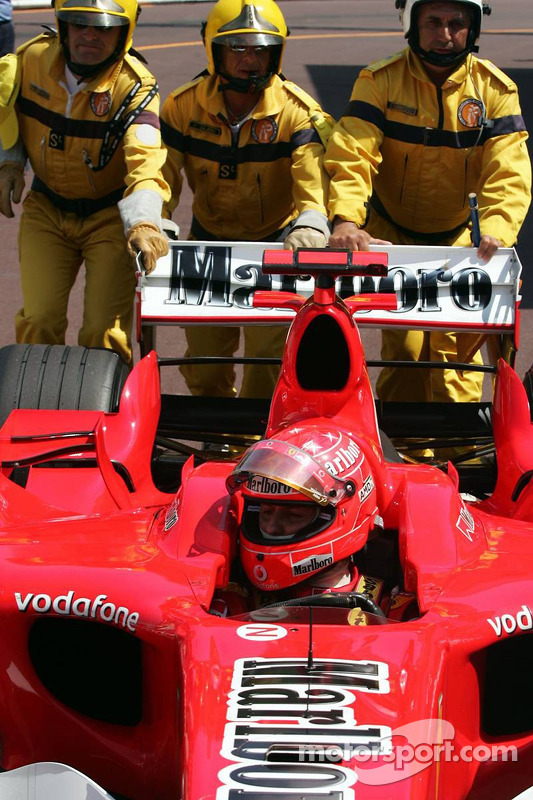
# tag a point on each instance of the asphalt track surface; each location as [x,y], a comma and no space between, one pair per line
[330,41]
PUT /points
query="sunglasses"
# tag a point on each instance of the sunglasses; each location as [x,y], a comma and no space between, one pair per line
[235,48]
[98,28]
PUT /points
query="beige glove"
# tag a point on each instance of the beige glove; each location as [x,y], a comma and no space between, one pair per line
[146,238]
[11,186]
[304,237]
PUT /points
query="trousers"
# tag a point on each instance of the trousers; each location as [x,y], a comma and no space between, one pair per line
[53,245]
[399,384]
[219,380]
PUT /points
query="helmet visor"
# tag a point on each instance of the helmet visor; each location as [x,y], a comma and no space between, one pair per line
[284,463]
[248,40]
[97,19]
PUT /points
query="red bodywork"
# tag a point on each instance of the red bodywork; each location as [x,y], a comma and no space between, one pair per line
[112,664]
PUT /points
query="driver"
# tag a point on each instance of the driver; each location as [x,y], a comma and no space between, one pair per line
[306,502]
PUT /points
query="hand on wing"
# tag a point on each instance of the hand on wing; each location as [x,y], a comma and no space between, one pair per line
[347,235]
[146,238]
[487,247]
[304,237]
[11,187]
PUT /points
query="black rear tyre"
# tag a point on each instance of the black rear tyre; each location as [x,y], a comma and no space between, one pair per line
[39,376]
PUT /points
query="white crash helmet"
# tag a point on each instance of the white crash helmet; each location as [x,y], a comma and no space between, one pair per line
[408,12]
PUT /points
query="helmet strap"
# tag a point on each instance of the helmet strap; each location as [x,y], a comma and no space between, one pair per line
[441,59]
[243,85]
[86,71]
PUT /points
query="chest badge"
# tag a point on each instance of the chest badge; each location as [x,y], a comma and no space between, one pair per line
[471,113]
[264,130]
[100,103]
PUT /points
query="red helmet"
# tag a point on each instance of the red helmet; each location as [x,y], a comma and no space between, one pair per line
[322,479]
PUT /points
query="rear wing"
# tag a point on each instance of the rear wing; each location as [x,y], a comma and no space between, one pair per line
[206,283]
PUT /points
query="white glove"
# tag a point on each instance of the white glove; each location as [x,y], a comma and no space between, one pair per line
[304,237]
[11,186]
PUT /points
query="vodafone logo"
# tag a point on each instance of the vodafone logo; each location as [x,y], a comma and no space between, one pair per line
[260,573]
[66,605]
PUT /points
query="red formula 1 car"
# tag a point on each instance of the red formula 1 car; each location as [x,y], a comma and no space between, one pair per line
[123,665]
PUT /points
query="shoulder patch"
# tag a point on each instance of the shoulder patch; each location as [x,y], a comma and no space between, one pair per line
[140,70]
[484,65]
[186,87]
[41,38]
[300,94]
[385,62]
[320,119]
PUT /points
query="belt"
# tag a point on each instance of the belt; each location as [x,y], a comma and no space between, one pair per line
[82,207]
[201,233]
[436,237]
